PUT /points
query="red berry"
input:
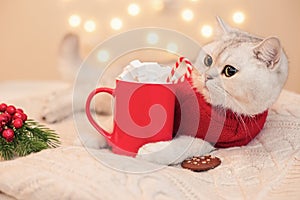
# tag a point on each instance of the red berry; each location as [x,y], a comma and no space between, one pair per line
[3,107]
[11,110]
[19,110]
[17,115]
[24,117]
[18,123]
[7,116]
[8,134]
[3,119]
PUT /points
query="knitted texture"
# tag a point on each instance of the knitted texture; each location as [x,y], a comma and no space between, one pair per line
[267,168]
[223,128]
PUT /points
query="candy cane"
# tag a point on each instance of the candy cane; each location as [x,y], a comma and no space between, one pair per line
[186,75]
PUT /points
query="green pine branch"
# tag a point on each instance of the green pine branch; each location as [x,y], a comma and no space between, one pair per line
[32,137]
[6,149]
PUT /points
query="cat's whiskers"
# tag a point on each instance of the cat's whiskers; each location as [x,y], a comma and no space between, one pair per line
[241,120]
[239,116]
[228,95]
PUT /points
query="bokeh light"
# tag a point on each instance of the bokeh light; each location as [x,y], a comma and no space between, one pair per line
[89,26]
[152,38]
[116,23]
[74,20]
[103,56]
[172,47]
[133,9]
[187,15]
[158,5]
[206,31]
[238,17]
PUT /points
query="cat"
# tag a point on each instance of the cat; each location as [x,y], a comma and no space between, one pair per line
[237,73]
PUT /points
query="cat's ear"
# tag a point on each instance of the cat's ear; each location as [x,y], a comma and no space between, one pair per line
[268,51]
[223,27]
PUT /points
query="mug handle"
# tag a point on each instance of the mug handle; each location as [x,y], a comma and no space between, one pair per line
[88,111]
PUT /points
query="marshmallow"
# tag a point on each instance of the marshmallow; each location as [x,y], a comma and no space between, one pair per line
[145,72]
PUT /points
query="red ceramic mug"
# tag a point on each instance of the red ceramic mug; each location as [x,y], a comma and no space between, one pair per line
[143,113]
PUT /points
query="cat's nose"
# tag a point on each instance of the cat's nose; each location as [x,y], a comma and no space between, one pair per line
[208,77]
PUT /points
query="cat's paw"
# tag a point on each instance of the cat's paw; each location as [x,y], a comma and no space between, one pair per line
[175,151]
[152,147]
[156,153]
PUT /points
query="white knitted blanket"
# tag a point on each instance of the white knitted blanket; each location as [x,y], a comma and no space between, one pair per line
[267,168]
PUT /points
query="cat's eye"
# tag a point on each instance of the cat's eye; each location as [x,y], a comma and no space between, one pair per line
[208,60]
[229,71]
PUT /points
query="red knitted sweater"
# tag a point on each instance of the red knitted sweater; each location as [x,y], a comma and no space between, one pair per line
[195,117]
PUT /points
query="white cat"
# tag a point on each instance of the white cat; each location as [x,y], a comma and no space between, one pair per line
[237,72]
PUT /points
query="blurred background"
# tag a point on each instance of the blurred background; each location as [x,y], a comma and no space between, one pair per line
[31,30]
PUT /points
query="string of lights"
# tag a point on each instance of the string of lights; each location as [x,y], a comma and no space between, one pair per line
[134,9]
[118,23]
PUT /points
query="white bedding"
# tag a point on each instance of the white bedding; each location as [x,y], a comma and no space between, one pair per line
[267,168]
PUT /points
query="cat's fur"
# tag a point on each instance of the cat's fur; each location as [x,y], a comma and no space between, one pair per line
[262,71]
